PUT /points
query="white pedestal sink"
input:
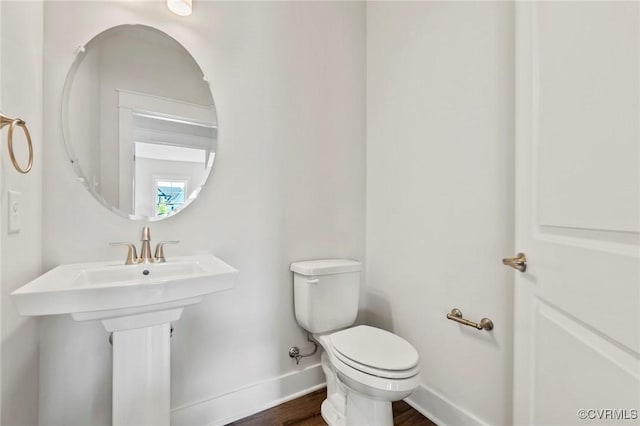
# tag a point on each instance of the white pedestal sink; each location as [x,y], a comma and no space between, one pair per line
[137,303]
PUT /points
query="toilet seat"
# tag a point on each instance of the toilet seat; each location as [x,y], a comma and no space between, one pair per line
[372,382]
[375,352]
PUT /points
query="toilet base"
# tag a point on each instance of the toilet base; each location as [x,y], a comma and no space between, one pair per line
[359,411]
[365,411]
[347,407]
[334,407]
[331,415]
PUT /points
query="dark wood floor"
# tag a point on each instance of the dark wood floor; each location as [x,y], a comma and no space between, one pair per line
[305,411]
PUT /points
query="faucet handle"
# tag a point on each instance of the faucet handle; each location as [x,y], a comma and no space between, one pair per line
[159,255]
[132,254]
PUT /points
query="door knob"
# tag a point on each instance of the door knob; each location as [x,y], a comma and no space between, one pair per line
[519,262]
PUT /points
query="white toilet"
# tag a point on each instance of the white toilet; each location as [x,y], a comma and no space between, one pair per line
[366,368]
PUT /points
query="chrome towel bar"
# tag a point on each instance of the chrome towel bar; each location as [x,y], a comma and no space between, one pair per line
[456,315]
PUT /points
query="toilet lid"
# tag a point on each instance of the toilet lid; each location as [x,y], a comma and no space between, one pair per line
[375,348]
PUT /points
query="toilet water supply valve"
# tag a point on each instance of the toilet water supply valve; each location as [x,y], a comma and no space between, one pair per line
[294,351]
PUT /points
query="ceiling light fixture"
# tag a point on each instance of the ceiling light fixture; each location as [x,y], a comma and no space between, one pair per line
[180,7]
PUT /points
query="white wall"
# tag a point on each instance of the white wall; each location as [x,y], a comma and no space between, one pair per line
[440,195]
[288,184]
[21,88]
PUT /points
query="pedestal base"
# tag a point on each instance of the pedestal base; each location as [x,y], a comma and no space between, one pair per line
[142,376]
[142,368]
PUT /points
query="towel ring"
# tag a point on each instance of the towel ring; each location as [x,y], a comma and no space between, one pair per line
[12,123]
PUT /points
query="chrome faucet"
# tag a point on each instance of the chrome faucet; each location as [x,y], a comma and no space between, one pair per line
[145,250]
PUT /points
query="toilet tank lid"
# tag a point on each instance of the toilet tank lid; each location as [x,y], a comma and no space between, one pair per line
[325,266]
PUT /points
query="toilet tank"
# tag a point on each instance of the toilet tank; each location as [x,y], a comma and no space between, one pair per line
[326,293]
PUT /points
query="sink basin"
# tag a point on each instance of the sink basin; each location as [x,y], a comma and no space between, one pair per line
[137,304]
[101,289]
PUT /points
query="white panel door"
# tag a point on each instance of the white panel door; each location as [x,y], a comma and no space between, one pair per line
[577,308]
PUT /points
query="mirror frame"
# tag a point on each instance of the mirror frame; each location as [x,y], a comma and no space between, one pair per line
[66,132]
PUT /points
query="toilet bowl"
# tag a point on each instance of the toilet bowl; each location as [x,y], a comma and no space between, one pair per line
[369,368]
[366,367]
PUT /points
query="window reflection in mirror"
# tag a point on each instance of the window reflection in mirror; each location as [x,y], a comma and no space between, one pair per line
[169,195]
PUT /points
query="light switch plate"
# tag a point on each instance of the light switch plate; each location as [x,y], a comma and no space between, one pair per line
[15,207]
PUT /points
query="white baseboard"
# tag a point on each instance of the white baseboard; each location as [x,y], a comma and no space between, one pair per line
[440,410]
[229,407]
[235,405]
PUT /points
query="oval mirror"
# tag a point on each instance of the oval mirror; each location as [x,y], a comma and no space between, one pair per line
[139,122]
